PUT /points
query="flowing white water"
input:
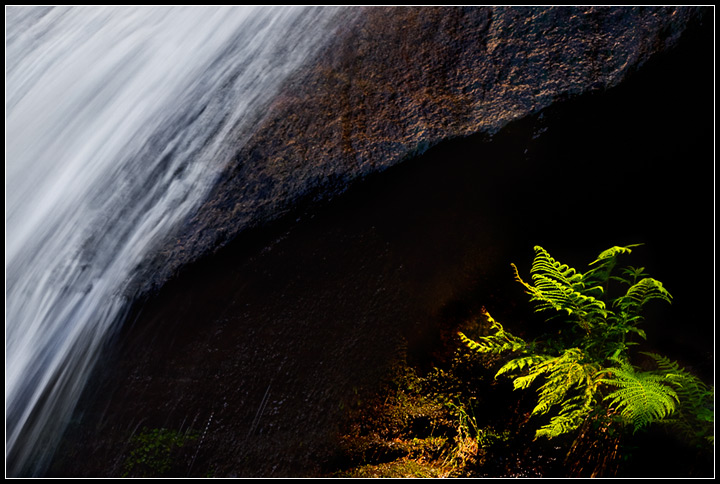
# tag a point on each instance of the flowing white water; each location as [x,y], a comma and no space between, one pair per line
[118,120]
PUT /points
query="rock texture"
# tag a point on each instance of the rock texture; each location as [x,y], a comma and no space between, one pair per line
[398,80]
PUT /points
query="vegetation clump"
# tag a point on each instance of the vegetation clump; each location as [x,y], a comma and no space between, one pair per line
[155,452]
[594,393]
[587,381]
[445,422]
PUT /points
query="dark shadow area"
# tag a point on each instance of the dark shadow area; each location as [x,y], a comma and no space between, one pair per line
[257,350]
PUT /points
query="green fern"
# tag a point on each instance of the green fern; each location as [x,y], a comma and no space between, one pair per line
[640,293]
[610,255]
[695,416]
[569,371]
[641,397]
[689,386]
[569,383]
[496,343]
[559,287]
[606,262]
[574,412]
[544,264]
[590,371]
[518,365]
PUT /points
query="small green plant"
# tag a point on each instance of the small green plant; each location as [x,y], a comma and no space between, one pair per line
[584,372]
[152,452]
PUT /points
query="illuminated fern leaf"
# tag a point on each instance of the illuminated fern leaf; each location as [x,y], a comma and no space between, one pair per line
[554,294]
[562,424]
[641,397]
[606,261]
[544,264]
[523,382]
[642,292]
[664,363]
[687,385]
[574,412]
[695,416]
[613,252]
[520,364]
[499,342]
[556,290]
[571,385]
[564,373]
[472,344]
[537,369]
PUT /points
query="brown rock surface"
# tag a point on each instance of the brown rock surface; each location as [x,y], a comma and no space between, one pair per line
[399,80]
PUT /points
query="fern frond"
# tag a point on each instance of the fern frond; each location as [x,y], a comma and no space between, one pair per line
[688,386]
[695,416]
[641,397]
[663,363]
[555,291]
[642,292]
[554,294]
[538,365]
[606,261]
[569,383]
[564,373]
[545,265]
[574,412]
[520,364]
[613,252]
[499,342]
[562,424]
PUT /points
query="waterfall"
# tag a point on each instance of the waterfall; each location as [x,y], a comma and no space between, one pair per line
[118,122]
